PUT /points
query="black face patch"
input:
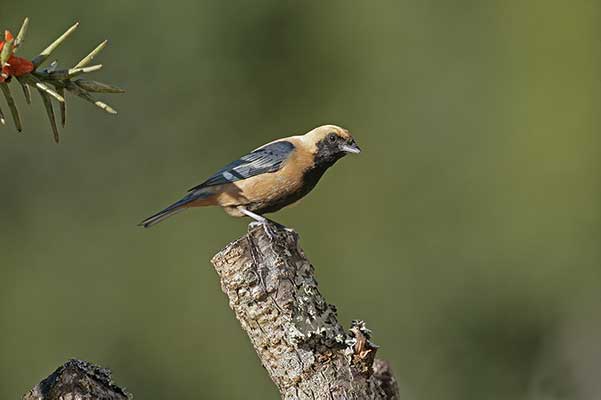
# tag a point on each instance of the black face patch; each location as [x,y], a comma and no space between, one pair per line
[328,151]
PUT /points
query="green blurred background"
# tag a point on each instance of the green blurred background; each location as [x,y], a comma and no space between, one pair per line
[467,234]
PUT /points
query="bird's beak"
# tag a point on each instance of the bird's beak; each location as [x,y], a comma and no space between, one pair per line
[350,148]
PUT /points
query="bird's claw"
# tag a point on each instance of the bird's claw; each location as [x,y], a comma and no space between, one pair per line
[266,228]
[269,227]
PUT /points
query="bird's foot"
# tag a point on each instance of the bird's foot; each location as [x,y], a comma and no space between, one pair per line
[267,226]
[280,226]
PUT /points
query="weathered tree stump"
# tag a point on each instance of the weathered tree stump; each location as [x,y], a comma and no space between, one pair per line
[77,380]
[273,292]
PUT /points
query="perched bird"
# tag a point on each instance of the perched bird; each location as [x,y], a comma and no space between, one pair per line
[269,178]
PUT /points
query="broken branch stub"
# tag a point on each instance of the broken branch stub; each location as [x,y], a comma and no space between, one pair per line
[77,379]
[308,355]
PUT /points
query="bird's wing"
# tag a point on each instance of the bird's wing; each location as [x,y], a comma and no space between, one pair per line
[268,158]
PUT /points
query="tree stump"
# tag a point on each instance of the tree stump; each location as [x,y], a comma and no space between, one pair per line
[308,355]
[77,380]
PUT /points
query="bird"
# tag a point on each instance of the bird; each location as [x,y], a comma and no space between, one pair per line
[269,178]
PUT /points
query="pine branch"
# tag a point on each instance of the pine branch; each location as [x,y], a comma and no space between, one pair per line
[52,83]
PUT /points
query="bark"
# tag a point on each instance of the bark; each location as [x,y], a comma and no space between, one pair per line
[77,380]
[273,292]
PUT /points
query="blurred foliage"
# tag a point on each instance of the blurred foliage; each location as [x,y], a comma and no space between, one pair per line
[467,233]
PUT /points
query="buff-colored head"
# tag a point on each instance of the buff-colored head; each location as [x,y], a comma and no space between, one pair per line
[331,139]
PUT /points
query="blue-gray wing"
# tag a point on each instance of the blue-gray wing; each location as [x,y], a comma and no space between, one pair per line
[269,158]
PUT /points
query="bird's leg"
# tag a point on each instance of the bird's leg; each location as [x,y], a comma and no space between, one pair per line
[252,215]
[264,221]
[259,219]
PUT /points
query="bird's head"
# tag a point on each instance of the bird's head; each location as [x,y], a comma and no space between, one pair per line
[330,143]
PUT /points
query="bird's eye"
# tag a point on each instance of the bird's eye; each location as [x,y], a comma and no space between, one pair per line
[332,137]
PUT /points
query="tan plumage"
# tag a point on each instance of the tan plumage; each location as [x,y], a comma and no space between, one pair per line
[287,168]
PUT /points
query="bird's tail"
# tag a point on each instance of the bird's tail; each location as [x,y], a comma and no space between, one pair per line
[173,209]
